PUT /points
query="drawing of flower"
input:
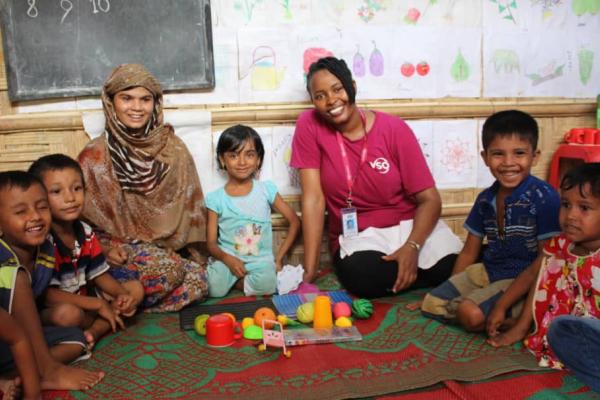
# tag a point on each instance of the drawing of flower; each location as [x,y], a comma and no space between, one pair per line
[456,157]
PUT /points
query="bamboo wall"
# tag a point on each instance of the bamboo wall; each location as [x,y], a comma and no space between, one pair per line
[25,137]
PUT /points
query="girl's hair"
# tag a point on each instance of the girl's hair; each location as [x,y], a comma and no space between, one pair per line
[580,175]
[337,67]
[233,139]
[54,162]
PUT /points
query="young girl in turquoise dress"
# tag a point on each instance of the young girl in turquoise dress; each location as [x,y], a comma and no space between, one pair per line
[239,235]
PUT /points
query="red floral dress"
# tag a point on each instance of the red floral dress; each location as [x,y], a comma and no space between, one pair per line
[567,284]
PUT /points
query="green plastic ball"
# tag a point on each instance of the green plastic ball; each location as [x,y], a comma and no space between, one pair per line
[362,308]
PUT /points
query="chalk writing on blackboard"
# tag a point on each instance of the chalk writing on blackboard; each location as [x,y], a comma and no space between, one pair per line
[68,47]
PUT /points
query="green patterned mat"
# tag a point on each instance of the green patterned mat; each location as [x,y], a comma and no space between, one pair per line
[401,350]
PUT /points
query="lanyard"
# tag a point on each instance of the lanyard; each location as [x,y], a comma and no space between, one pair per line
[363,157]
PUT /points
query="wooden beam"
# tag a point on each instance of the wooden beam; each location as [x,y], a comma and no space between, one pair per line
[288,113]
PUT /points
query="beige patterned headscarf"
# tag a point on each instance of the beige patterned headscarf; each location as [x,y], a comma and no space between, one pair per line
[133,154]
[142,185]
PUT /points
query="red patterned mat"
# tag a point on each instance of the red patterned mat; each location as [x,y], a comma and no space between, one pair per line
[544,385]
[401,351]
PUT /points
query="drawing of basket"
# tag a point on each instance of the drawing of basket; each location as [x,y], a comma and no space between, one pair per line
[265,74]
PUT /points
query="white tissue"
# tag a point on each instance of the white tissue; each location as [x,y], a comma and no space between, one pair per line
[289,278]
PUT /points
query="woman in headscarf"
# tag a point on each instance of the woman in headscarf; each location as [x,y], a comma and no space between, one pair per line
[143,194]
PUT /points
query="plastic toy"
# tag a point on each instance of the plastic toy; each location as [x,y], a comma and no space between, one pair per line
[362,308]
[322,314]
[343,322]
[253,332]
[200,324]
[246,322]
[341,309]
[273,338]
[286,321]
[262,314]
[306,313]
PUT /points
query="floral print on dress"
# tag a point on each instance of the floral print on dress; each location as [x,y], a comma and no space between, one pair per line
[247,239]
[567,285]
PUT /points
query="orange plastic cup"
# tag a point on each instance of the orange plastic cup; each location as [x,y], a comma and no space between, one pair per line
[323,318]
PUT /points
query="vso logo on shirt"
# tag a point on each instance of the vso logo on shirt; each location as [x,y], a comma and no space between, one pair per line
[381,165]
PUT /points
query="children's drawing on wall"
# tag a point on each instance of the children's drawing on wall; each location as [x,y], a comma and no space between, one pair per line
[414,65]
[423,131]
[454,156]
[359,68]
[461,58]
[408,69]
[269,66]
[506,9]
[265,73]
[585,9]
[551,70]
[414,13]
[455,150]
[376,61]
[585,61]
[311,55]
[506,61]
[286,177]
[547,6]
[460,68]
[246,7]
[369,8]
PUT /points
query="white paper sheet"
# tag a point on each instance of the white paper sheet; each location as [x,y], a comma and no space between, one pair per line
[455,154]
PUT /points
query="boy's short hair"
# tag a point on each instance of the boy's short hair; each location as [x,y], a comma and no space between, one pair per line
[582,174]
[508,123]
[54,162]
[20,179]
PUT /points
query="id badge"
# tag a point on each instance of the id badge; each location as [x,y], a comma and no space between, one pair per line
[349,222]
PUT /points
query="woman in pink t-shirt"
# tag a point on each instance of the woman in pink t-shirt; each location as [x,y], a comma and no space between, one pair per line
[367,169]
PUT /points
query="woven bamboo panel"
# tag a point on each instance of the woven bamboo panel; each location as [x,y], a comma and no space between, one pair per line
[19,150]
[3,83]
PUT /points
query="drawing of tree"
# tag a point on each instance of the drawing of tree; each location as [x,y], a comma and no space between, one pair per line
[246,7]
[504,8]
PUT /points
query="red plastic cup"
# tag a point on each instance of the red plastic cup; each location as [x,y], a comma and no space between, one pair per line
[597,136]
[221,331]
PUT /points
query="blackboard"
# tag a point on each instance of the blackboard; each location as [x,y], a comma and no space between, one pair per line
[66,48]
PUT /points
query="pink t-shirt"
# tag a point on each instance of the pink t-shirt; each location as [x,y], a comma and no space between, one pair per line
[383,191]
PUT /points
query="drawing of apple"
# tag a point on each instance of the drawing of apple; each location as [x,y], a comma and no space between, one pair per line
[407,69]
[422,68]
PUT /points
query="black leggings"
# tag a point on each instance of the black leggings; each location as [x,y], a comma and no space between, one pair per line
[366,274]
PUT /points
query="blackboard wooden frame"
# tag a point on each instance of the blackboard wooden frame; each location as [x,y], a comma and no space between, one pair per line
[51,53]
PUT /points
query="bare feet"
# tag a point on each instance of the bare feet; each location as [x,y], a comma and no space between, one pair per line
[9,388]
[63,377]
[509,337]
[413,306]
